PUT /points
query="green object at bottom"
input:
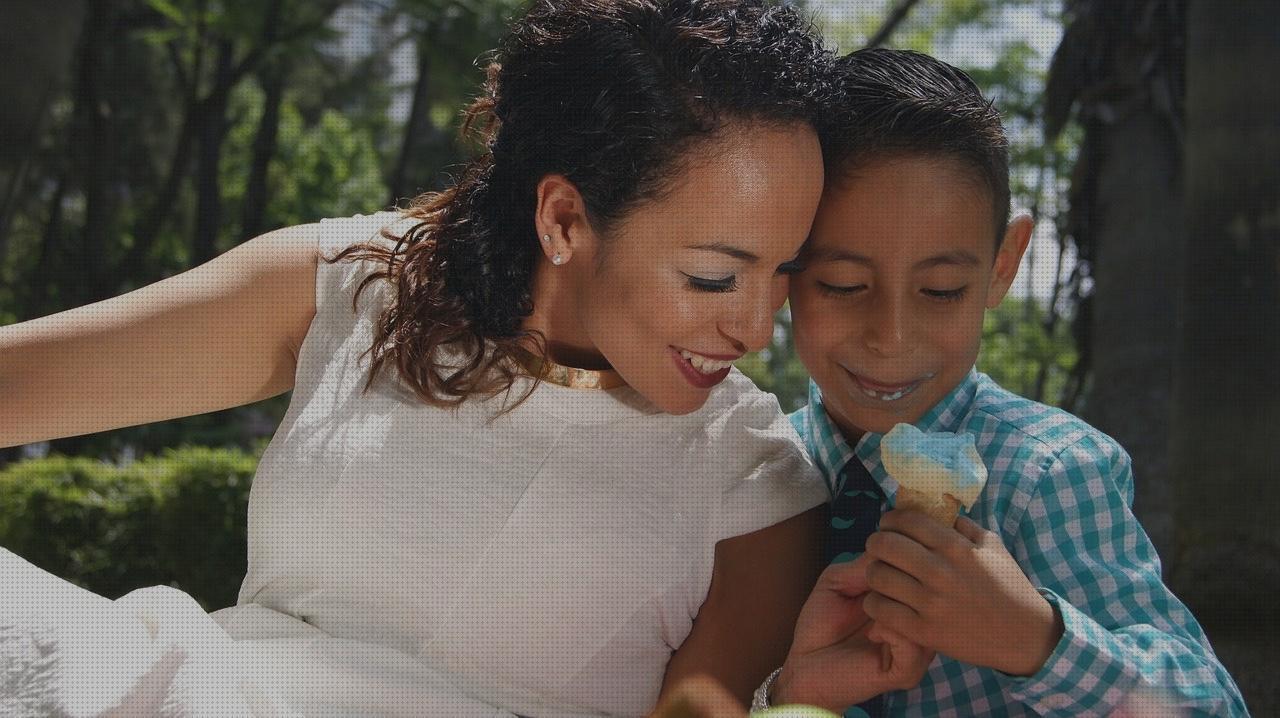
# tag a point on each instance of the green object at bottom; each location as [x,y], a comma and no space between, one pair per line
[794,711]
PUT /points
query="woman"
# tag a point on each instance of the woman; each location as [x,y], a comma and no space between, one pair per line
[517,464]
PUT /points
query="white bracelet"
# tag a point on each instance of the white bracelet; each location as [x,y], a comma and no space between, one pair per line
[760,699]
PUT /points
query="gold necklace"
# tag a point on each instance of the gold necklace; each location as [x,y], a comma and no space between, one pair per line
[570,376]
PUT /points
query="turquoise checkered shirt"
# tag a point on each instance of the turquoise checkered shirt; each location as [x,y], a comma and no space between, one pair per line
[1059,495]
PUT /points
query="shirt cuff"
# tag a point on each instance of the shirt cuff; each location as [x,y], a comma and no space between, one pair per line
[1086,675]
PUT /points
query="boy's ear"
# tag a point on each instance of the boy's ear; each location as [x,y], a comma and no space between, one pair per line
[560,218]
[1009,257]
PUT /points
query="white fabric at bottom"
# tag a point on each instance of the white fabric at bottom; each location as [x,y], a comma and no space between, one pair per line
[67,652]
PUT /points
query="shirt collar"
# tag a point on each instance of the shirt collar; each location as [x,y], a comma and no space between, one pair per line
[831,450]
[826,443]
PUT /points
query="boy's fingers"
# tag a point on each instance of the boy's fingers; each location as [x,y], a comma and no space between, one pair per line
[902,552]
[898,617]
[969,529]
[848,578]
[924,530]
[880,634]
[895,583]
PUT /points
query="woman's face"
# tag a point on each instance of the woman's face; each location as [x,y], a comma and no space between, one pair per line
[686,284]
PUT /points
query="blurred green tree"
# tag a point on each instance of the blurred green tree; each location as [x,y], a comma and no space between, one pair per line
[225,118]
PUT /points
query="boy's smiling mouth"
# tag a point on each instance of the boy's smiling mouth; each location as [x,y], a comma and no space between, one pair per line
[886,391]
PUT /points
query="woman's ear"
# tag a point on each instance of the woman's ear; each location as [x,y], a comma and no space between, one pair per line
[560,219]
[1009,257]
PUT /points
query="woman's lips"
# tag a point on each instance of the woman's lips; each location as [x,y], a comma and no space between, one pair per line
[693,374]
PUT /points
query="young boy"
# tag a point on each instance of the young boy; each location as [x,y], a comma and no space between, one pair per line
[1047,599]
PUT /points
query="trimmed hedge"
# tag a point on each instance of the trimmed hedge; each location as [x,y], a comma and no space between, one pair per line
[178,519]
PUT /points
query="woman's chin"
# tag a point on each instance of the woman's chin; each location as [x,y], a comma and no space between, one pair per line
[679,403]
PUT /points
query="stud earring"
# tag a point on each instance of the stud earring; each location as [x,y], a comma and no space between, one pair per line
[557,259]
[546,238]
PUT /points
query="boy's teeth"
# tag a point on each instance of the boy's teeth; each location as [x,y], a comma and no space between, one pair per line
[889,397]
[703,364]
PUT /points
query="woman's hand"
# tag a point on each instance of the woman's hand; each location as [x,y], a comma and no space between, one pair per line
[837,654]
[959,592]
[700,697]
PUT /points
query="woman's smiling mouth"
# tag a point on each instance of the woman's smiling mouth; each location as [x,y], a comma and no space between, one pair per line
[701,370]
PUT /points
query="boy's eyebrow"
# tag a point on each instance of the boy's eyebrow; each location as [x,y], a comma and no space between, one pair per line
[958,257]
[822,254]
[729,249]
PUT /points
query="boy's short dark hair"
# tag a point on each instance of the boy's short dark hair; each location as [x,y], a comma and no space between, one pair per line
[903,103]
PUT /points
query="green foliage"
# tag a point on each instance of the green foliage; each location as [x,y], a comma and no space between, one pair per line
[328,168]
[177,519]
[75,517]
[1022,355]
[338,140]
[777,369]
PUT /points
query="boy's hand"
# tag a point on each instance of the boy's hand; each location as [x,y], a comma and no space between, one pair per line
[836,655]
[958,592]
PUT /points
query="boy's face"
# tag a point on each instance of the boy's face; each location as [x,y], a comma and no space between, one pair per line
[900,269]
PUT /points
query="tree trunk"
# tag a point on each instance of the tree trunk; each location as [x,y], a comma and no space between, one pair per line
[417,126]
[27,94]
[152,221]
[1227,391]
[212,130]
[891,23]
[36,303]
[264,148]
[1138,238]
[1121,65]
[93,154]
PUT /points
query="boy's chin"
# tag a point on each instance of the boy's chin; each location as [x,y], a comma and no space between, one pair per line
[859,419]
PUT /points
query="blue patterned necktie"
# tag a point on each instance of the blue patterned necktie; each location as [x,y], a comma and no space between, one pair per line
[855,514]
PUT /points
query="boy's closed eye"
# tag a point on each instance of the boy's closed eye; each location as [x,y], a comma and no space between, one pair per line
[845,290]
[841,290]
[946,295]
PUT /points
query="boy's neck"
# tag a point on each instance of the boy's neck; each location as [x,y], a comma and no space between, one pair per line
[852,434]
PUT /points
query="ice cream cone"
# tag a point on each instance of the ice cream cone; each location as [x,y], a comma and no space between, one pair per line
[937,472]
[942,508]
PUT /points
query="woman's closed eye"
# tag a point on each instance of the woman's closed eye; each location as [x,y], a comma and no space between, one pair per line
[709,284]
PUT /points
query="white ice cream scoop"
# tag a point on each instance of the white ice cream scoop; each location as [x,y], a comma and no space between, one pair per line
[930,467]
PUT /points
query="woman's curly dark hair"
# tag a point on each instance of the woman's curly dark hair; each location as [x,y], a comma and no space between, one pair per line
[609,93]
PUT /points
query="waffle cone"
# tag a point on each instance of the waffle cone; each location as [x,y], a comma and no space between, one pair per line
[941,508]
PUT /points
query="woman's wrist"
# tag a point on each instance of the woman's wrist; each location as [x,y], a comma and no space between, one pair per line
[763,697]
[785,689]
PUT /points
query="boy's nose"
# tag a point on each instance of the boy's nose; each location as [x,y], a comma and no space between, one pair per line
[887,328]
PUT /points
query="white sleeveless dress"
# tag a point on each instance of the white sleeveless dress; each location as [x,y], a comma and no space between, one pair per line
[411,561]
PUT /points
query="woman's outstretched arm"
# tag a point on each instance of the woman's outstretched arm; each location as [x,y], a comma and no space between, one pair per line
[222,334]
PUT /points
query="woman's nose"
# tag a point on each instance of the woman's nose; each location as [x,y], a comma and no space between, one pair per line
[751,323]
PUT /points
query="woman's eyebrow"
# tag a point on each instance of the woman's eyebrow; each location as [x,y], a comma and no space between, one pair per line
[727,249]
